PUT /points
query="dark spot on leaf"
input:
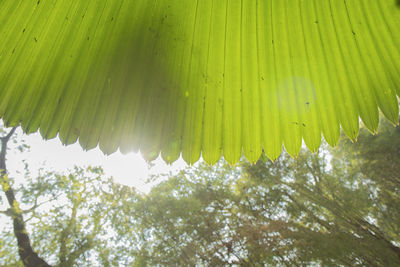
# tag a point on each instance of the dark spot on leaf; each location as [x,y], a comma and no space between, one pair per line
[38,2]
[316,22]
[23,30]
[112,18]
[88,38]
[262,78]
[353,32]
[307,103]
[34,38]
[295,122]
[398,3]
[304,125]
[13,50]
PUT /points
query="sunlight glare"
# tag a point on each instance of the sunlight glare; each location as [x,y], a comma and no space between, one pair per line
[130,169]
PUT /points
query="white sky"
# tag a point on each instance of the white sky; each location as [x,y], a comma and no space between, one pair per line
[130,169]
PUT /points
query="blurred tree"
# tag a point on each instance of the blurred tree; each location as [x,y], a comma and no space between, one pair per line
[377,159]
[69,219]
[28,256]
[337,207]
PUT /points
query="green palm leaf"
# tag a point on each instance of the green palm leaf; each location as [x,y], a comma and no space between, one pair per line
[205,77]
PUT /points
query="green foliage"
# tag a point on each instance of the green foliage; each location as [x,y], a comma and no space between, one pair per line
[337,207]
[377,159]
[71,218]
[316,209]
[199,78]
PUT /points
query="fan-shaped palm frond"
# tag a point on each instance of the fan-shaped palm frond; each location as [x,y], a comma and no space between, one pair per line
[199,77]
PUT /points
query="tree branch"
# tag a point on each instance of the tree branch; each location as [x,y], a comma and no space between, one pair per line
[37,205]
[63,255]
[29,257]
[8,136]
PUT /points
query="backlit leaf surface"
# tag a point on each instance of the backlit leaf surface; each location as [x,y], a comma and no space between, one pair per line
[206,78]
